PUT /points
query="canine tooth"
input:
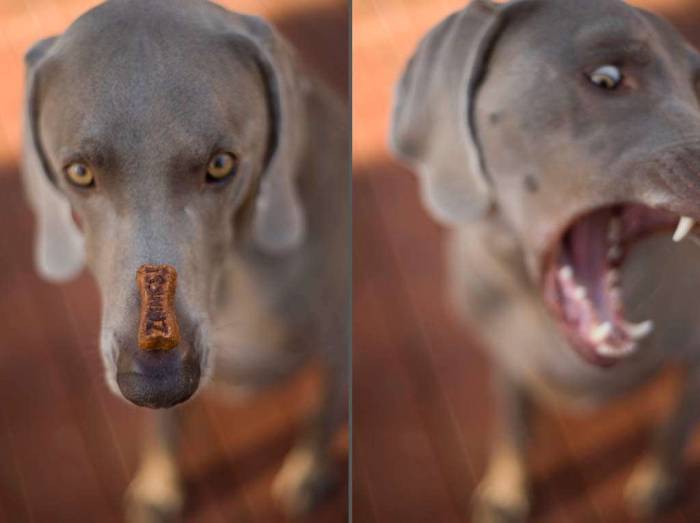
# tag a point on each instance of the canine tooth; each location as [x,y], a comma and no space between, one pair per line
[603,349]
[614,229]
[580,293]
[638,331]
[613,278]
[685,225]
[601,332]
[566,272]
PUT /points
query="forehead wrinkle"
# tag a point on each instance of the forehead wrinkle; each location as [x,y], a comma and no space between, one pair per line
[179,108]
[607,27]
[627,38]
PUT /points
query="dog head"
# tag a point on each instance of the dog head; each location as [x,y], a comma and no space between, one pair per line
[577,125]
[161,133]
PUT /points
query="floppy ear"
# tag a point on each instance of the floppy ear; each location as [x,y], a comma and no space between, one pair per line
[279,220]
[59,252]
[432,126]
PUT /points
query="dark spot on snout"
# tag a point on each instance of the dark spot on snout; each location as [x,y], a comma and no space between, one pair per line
[531,183]
[494,117]
[158,378]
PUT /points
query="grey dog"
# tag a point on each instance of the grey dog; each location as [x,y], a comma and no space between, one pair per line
[176,132]
[559,140]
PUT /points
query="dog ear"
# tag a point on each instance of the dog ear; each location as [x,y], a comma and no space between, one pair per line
[279,221]
[59,251]
[432,127]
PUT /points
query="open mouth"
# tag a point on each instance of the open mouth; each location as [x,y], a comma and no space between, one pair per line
[582,284]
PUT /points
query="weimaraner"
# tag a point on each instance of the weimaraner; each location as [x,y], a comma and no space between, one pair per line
[559,140]
[176,136]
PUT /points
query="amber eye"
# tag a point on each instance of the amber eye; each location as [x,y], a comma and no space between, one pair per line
[221,166]
[607,77]
[80,174]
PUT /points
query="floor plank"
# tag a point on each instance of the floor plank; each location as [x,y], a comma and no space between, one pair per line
[399,459]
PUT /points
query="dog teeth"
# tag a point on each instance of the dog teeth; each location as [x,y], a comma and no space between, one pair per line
[613,278]
[614,230]
[612,352]
[638,331]
[566,273]
[580,293]
[601,332]
[604,349]
[685,225]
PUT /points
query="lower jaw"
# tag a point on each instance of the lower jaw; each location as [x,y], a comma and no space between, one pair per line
[589,353]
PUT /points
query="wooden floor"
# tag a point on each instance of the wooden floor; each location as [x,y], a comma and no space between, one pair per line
[421,399]
[68,447]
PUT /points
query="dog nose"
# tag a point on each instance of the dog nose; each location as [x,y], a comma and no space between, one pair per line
[158,378]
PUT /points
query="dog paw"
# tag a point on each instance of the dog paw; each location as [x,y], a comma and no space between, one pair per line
[302,483]
[153,499]
[650,490]
[500,502]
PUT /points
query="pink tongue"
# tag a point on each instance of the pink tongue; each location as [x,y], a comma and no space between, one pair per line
[587,248]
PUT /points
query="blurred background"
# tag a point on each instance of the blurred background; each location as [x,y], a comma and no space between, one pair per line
[68,447]
[421,400]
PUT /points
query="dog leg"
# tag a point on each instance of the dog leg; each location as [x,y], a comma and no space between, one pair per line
[308,473]
[155,494]
[655,482]
[503,494]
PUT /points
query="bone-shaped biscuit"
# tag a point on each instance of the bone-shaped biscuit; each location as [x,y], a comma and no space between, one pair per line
[158,328]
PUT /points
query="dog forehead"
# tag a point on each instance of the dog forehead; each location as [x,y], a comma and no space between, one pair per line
[127,43]
[171,82]
[166,49]
[157,17]
[569,34]
[132,84]
[557,24]
[595,21]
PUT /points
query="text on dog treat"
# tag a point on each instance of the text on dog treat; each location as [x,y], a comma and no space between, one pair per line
[158,328]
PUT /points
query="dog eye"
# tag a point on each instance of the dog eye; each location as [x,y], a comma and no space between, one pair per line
[607,77]
[80,174]
[221,166]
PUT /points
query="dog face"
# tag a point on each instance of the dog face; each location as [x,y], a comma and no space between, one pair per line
[160,133]
[578,125]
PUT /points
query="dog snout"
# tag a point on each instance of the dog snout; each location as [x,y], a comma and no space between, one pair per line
[157,365]
[158,378]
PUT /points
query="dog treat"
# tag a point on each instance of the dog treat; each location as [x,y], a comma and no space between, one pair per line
[158,327]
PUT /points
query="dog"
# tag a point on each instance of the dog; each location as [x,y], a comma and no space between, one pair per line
[558,140]
[186,142]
